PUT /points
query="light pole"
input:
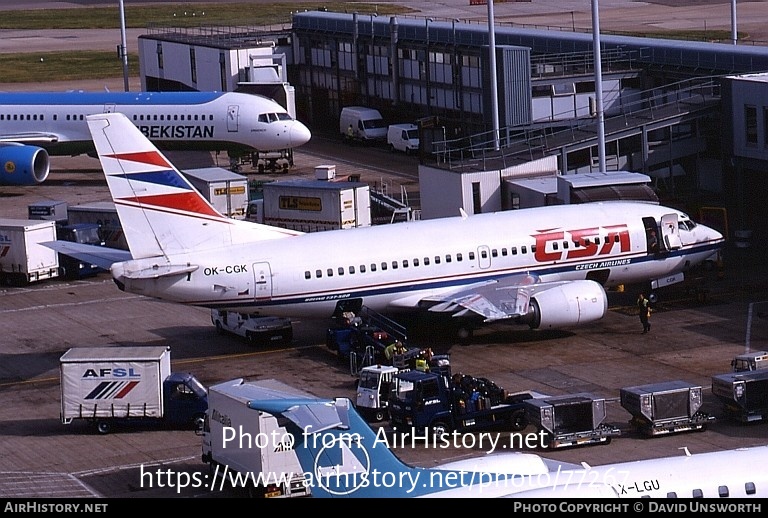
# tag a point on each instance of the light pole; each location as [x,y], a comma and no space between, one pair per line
[598,87]
[373,56]
[123,49]
[426,66]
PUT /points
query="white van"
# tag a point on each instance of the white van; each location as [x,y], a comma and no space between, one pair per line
[403,137]
[361,123]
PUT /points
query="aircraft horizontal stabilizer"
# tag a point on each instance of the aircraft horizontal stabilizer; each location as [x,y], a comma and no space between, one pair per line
[101,256]
[161,270]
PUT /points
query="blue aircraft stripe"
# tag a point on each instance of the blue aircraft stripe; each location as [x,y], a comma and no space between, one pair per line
[452,282]
[167,178]
[123,98]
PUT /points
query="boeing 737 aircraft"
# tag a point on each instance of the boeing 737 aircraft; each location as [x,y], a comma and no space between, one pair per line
[544,267]
[341,456]
[36,125]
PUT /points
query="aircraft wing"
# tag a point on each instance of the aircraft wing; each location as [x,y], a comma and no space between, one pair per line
[496,299]
[30,138]
[101,256]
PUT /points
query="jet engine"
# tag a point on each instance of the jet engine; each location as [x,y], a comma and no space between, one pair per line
[569,304]
[23,165]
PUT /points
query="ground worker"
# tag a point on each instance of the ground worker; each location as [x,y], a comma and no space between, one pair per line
[644,306]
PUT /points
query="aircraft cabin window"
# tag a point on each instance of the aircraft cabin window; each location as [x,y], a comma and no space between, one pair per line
[494,253]
[459,257]
[383,266]
[394,265]
[749,488]
[555,246]
[426,261]
[373,267]
[351,269]
[405,263]
[513,250]
[523,250]
[565,245]
[318,273]
[504,252]
[671,494]
[362,268]
[471,256]
[415,261]
[330,272]
[722,491]
[341,270]
[437,259]
[448,258]
[307,275]
[697,493]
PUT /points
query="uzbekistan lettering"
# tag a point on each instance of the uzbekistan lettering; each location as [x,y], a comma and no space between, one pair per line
[177,132]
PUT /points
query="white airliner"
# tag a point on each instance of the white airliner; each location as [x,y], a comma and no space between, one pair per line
[342,456]
[544,267]
[36,125]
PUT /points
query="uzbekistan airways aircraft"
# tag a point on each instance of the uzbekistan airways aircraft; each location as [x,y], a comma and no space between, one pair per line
[342,456]
[36,125]
[544,267]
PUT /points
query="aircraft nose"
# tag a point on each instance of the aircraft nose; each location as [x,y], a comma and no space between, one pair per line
[299,134]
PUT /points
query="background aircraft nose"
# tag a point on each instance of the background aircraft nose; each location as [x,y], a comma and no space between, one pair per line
[299,134]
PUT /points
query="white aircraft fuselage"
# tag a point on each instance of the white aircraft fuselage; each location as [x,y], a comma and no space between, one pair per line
[213,121]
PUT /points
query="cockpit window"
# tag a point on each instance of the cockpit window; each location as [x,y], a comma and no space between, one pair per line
[686,224]
[273,117]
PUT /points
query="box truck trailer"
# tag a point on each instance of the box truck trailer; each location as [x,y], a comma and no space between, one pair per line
[23,259]
[252,443]
[107,386]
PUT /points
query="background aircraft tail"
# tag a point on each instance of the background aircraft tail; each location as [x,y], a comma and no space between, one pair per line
[160,211]
[342,456]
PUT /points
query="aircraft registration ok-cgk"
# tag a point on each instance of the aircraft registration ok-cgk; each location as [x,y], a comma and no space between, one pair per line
[342,456]
[36,125]
[544,267]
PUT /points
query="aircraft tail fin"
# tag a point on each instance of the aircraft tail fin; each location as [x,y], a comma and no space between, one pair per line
[160,211]
[339,451]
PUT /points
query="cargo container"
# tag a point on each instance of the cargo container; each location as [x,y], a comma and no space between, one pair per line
[315,205]
[664,408]
[225,190]
[51,210]
[744,395]
[104,214]
[571,420]
[23,259]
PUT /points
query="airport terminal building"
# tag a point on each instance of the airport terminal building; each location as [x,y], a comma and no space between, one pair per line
[693,116]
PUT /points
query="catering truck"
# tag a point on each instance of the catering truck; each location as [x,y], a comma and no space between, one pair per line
[571,420]
[120,385]
[665,408]
[23,259]
[744,395]
[252,443]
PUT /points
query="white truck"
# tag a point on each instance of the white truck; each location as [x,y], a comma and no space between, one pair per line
[403,137]
[104,214]
[315,205]
[237,438]
[121,385]
[360,123]
[225,190]
[257,329]
[22,258]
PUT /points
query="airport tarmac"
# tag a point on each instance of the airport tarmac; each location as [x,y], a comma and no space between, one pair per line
[41,457]
[690,340]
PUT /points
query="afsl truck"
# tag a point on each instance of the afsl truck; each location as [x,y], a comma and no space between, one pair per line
[111,385]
